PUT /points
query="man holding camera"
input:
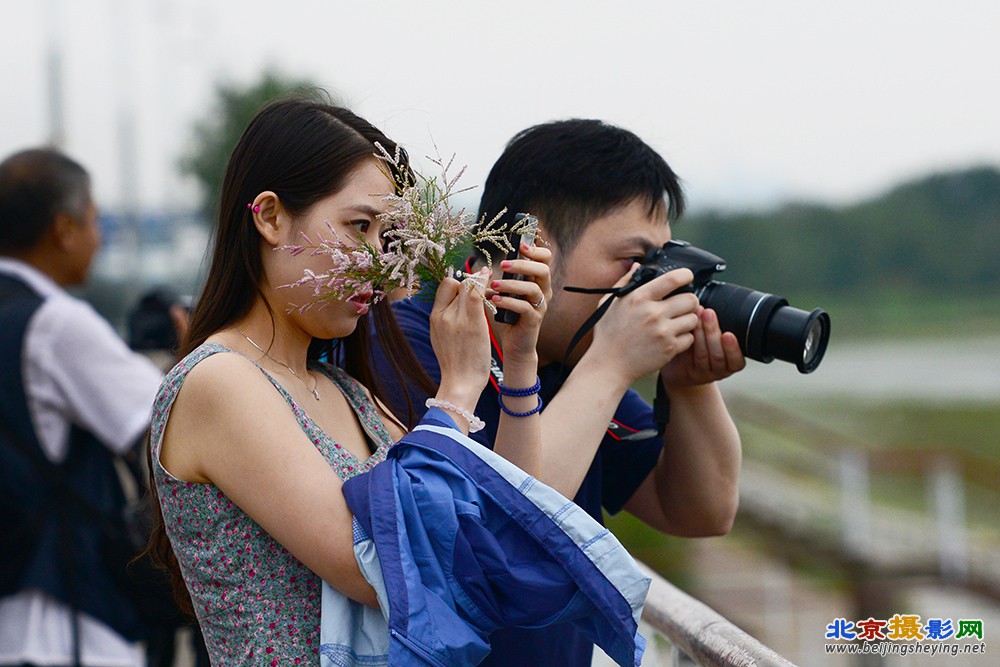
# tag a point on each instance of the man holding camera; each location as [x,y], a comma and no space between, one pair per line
[604,199]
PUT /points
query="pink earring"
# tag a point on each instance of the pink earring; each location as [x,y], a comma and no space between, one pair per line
[254,208]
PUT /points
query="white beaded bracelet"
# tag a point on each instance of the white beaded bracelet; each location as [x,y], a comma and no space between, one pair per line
[475,423]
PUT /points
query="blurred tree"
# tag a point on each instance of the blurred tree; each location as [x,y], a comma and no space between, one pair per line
[935,236]
[216,134]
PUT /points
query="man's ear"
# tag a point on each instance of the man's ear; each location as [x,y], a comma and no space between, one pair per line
[270,218]
[63,231]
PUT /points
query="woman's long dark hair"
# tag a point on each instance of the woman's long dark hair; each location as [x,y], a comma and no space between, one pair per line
[303,150]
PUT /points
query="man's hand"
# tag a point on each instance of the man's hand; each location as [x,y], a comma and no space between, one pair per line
[181,319]
[643,331]
[714,355]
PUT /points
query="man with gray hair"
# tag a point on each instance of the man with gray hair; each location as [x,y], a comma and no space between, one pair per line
[72,398]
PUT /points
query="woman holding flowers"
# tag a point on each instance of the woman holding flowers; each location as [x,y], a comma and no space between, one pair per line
[252,435]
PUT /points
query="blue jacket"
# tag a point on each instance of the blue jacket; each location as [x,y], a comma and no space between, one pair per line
[458,543]
[627,455]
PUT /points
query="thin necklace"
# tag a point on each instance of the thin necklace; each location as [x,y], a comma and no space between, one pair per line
[290,369]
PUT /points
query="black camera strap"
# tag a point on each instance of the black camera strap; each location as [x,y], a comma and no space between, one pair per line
[591,321]
[661,403]
[603,308]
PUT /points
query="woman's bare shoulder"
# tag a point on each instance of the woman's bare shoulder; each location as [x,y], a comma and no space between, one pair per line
[222,373]
[227,386]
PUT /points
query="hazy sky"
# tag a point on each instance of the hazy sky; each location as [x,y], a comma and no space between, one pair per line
[751,102]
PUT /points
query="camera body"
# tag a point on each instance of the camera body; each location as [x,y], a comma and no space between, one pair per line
[150,326]
[765,325]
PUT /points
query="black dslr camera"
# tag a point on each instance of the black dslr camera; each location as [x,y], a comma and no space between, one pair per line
[150,326]
[766,326]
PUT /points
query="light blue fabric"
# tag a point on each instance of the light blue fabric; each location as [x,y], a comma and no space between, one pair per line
[351,634]
[473,544]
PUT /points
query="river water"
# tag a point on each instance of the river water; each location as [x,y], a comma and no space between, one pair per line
[959,369]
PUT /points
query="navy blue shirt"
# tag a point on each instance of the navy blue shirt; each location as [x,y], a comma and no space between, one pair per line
[626,456]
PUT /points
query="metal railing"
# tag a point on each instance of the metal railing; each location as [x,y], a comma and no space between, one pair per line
[863,507]
[697,633]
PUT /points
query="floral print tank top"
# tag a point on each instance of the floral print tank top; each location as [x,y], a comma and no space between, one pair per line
[255,602]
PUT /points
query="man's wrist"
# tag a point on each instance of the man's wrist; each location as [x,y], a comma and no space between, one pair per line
[688,392]
[598,370]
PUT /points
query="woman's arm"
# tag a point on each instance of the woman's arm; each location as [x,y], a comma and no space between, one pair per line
[461,342]
[228,426]
[519,438]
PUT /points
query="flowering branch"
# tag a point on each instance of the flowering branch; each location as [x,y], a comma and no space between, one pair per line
[353,270]
[425,239]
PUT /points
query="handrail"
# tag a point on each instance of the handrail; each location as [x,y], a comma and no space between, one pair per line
[935,538]
[700,632]
[981,470]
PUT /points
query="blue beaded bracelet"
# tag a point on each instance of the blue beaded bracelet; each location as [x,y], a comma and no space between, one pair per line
[507,391]
[537,408]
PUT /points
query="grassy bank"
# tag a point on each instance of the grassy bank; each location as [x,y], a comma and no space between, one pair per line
[907,435]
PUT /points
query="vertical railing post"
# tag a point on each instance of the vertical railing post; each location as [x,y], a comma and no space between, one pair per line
[855,507]
[947,497]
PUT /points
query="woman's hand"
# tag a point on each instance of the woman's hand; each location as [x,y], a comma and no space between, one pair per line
[518,438]
[519,339]
[461,341]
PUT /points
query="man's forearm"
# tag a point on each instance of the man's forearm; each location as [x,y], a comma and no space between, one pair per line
[697,476]
[574,423]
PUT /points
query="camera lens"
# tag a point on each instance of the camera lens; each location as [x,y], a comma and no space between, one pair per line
[767,327]
[799,337]
[813,340]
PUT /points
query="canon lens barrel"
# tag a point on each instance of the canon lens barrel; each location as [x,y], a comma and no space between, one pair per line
[767,327]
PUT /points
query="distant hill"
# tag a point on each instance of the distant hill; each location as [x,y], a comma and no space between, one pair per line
[937,236]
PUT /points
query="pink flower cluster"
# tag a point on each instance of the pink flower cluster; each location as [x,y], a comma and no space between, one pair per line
[353,269]
[424,239]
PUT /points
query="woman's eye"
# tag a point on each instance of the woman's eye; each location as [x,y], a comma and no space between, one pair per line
[362,226]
